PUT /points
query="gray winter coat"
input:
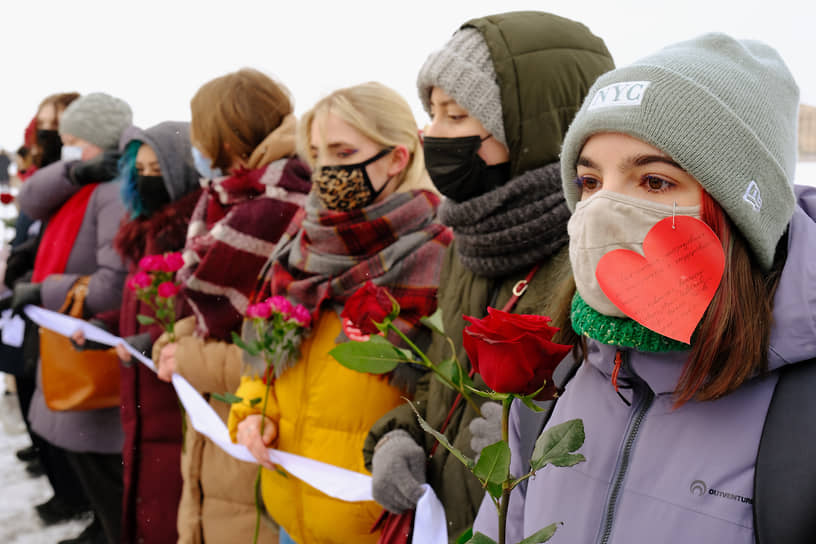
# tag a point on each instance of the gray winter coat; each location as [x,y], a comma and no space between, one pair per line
[92,254]
[654,474]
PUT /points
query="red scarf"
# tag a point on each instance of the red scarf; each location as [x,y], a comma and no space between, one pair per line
[60,235]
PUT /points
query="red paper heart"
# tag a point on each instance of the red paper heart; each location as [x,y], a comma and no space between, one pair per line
[669,289]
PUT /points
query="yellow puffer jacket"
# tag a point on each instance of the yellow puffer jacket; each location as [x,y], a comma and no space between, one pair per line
[323,411]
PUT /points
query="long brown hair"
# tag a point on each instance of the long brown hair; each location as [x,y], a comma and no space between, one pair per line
[233,113]
[732,339]
[60,101]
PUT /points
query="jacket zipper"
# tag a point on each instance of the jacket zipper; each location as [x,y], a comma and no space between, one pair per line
[644,398]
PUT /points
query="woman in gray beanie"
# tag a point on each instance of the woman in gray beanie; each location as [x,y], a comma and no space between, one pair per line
[83,216]
[699,421]
[500,94]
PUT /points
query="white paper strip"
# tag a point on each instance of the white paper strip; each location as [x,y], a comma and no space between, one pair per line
[346,485]
[13,329]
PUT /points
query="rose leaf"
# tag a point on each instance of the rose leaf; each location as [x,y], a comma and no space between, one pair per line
[374,356]
[443,440]
[434,322]
[556,444]
[494,463]
[542,535]
[480,538]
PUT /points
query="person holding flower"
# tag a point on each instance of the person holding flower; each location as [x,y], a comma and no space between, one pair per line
[160,189]
[501,94]
[371,216]
[243,134]
[692,308]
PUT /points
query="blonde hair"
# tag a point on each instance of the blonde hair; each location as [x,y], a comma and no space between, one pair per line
[238,110]
[381,115]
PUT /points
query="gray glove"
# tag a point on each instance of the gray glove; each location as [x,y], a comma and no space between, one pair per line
[398,471]
[487,429]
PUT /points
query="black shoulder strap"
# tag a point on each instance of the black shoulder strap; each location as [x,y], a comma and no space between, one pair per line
[785,476]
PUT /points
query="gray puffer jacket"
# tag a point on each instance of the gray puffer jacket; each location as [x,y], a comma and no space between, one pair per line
[92,254]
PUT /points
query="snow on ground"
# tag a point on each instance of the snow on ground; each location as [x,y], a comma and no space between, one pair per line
[19,523]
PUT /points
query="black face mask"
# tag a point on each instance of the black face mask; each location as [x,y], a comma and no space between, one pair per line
[51,145]
[152,193]
[458,171]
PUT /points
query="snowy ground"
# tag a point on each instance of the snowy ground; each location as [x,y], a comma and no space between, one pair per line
[19,493]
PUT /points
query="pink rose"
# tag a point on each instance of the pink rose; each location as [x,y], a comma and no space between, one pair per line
[168,289]
[139,280]
[151,263]
[262,310]
[281,305]
[173,262]
[301,316]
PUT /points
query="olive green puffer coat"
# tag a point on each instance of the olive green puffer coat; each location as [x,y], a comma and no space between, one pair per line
[545,65]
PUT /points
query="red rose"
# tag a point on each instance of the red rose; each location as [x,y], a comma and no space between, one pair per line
[6,198]
[367,305]
[514,353]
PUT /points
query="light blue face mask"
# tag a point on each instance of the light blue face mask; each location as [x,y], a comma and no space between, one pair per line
[204,166]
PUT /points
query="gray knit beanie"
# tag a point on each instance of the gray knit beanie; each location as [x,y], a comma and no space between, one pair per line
[97,118]
[725,110]
[464,69]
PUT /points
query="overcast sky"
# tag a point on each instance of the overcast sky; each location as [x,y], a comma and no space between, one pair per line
[156,54]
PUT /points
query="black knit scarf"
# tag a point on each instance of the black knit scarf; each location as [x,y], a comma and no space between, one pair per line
[513,227]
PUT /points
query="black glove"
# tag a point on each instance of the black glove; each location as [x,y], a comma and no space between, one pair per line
[21,261]
[103,167]
[24,294]
[90,344]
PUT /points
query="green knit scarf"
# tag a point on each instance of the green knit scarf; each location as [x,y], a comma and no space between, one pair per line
[618,331]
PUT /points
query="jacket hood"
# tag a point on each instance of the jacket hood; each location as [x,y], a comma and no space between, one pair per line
[171,142]
[545,65]
[793,332]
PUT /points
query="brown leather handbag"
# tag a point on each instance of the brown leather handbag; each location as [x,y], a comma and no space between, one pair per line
[72,379]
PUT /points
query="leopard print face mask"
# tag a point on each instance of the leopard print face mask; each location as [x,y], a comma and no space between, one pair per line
[347,187]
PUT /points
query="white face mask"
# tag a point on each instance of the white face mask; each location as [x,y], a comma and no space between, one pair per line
[71,153]
[604,222]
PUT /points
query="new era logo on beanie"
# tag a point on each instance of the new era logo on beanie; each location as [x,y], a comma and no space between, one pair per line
[725,110]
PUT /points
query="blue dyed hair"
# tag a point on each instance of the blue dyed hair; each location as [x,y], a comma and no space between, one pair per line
[127,175]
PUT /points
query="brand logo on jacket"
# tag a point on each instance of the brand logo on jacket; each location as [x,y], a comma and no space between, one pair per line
[752,196]
[698,488]
[625,93]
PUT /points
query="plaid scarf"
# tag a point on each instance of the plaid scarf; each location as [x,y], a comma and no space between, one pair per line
[325,256]
[233,230]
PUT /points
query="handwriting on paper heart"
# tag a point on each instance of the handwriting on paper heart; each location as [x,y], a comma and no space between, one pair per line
[669,287]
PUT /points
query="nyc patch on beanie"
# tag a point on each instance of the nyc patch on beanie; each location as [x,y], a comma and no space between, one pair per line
[725,110]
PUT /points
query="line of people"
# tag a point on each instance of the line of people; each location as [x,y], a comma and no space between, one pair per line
[540,157]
